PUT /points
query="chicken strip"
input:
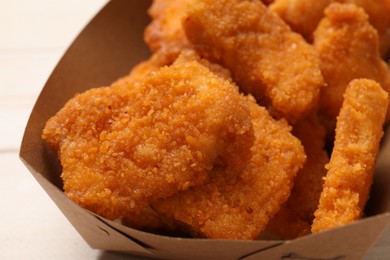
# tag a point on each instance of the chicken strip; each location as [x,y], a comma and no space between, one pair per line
[352,163]
[349,49]
[238,205]
[126,146]
[265,58]
[165,34]
[304,15]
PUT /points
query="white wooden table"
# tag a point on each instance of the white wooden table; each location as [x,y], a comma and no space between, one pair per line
[33,37]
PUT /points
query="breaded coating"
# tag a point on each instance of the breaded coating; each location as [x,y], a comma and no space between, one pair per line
[264,56]
[304,15]
[349,49]
[352,163]
[297,214]
[238,205]
[165,34]
[126,146]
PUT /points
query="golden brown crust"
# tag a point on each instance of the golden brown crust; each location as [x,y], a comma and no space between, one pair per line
[349,49]
[264,56]
[238,205]
[125,146]
[165,34]
[304,15]
[351,167]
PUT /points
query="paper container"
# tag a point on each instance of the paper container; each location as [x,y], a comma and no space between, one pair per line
[106,49]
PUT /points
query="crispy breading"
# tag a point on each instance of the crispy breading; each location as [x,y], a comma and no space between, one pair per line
[297,214]
[352,163]
[304,15]
[264,56]
[125,146]
[165,34]
[238,205]
[349,49]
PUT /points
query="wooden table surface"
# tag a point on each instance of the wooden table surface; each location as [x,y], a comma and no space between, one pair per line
[33,37]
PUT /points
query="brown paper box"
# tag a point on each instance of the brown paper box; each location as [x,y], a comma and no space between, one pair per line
[106,49]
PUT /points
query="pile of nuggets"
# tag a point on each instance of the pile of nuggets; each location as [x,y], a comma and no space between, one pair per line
[221,133]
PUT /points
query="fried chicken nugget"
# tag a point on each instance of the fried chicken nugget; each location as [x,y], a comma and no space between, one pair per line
[304,15]
[297,214]
[349,49]
[351,167]
[125,146]
[264,56]
[165,34]
[238,205]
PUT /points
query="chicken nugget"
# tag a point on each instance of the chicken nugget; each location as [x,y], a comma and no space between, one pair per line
[165,34]
[304,15]
[264,56]
[238,204]
[352,163]
[126,146]
[297,214]
[349,49]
